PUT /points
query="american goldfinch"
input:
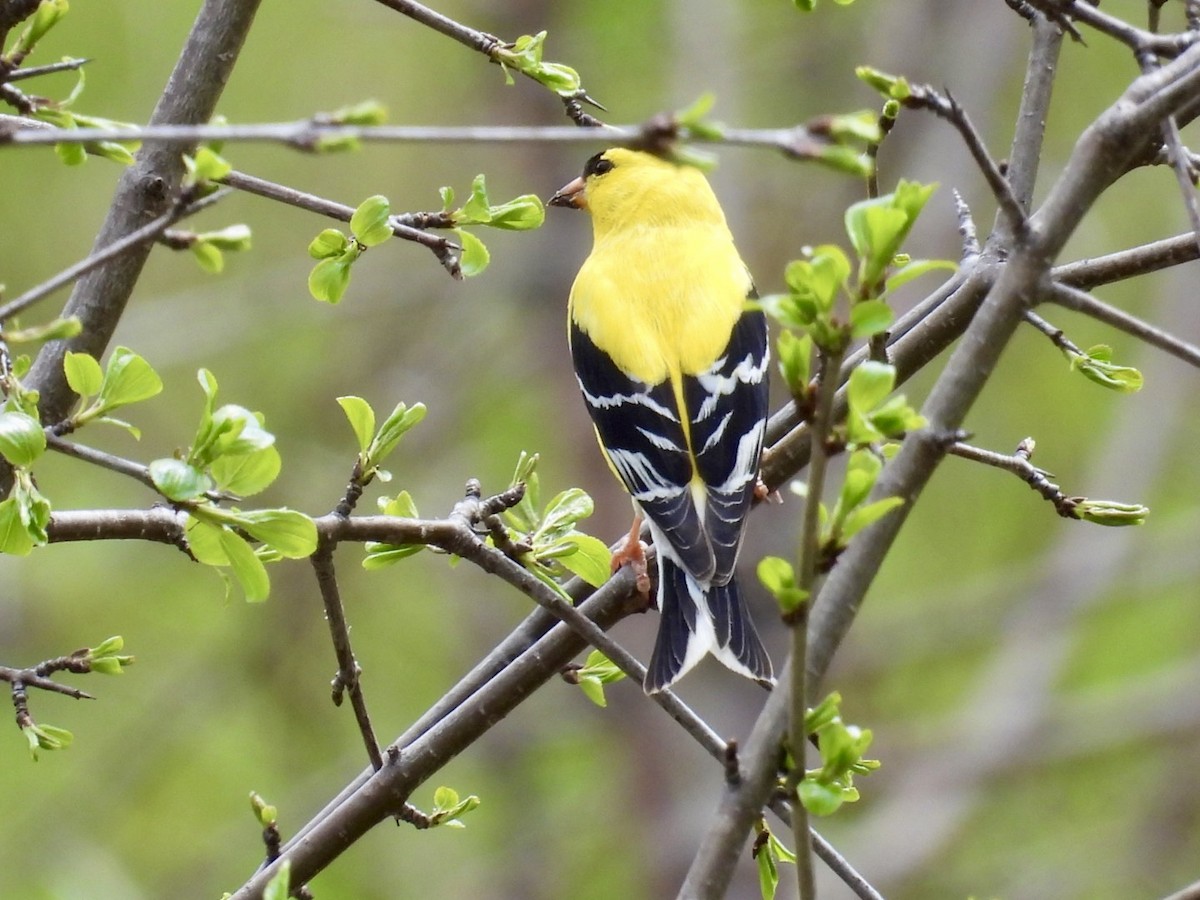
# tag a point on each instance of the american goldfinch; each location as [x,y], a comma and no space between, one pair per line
[673,369]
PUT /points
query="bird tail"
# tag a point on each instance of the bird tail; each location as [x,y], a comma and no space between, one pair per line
[699,619]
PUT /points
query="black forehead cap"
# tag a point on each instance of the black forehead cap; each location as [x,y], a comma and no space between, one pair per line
[597,165]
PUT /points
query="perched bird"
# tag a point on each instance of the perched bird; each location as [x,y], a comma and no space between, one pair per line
[673,368]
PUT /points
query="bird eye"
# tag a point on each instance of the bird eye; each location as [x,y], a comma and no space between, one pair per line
[597,165]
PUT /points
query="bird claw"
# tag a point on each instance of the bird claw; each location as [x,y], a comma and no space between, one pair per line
[633,554]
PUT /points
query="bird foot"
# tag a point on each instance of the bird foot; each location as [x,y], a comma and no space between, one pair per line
[633,554]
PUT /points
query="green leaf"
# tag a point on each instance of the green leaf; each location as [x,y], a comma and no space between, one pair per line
[564,510]
[209,166]
[54,330]
[862,470]
[371,222]
[365,112]
[593,690]
[891,86]
[475,256]
[795,360]
[328,244]
[1110,512]
[818,798]
[877,227]
[477,209]
[916,268]
[22,439]
[232,237]
[870,317]
[863,516]
[848,160]
[329,279]
[381,555]
[177,480]
[280,885]
[779,577]
[361,417]
[128,378]
[291,533]
[1096,365]
[522,213]
[394,427]
[204,541]
[237,431]
[247,474]
[45,17]
[870,383]
[590,560]
[247,568]
[210,258]
[71,154]
[15,539]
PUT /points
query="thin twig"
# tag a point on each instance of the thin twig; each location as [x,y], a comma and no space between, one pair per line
[1018,464]
[946,107]
[1126,264]
[1165,45]
[809,565]
[349,674]
[441,247]
[1073,298]
[34,71]
[31,678]
[146,234]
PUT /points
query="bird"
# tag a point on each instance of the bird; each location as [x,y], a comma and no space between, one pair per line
[672,364]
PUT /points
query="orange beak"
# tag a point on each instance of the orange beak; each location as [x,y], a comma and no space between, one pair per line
[570,195]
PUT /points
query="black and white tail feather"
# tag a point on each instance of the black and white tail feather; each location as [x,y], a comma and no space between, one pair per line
[688,452]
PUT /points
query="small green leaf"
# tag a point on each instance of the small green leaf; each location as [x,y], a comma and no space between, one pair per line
[891,86]
[45,17]
[210,258]
[475,256]
[1110,512]
[365,112]
[819,798]
[1096,365]
[71,154]
[247,568]
[519,214]
[795,360]
[209,166]
[870,383]
[232,237]
[863,516]
[371,222]
[590,560]
[204,541]
[779,577]
[329,279]
[247,474]
[361,417]
[862,470]
[15,539]
[394,427]
[916,268]
[869,317]
[328,244]
[128,378]
[22,439]
[55,330]
[478,207]
[291,533]
[280,885]
[177,480]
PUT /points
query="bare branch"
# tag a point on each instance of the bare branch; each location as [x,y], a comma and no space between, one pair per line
[402,225]
[143,236]
[146,190]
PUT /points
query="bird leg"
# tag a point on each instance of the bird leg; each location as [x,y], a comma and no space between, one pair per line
[633,552]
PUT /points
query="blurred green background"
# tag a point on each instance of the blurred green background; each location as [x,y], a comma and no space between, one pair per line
[1030,681]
